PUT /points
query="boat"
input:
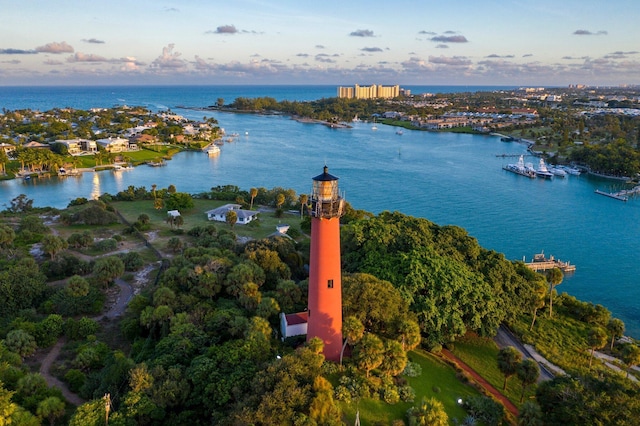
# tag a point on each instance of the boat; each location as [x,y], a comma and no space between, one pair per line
[542,170]
[374,127]
[355,119]
[571,170]
[212,150]
[557,171]
[520,168]
[157,163]
[399,132]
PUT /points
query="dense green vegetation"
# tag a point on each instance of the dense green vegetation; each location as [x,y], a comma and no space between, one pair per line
[200,346]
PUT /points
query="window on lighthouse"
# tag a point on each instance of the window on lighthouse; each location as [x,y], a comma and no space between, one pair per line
[330,284]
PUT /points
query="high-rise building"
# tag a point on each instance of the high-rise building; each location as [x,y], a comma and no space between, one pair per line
[369,92]
[324,313]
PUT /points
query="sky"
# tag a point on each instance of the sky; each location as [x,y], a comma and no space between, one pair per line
[346,42]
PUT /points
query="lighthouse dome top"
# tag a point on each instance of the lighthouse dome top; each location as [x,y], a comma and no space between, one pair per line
[325,176]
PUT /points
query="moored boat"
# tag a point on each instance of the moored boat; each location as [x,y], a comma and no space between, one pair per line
[520,168]
[542,170]
[557,171]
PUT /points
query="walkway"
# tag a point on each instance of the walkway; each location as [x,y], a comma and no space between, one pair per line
[54,381]
[482,382]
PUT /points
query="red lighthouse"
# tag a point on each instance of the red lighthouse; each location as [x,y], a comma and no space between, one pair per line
[325,284]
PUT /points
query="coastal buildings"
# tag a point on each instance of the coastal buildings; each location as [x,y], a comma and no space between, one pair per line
[370,92]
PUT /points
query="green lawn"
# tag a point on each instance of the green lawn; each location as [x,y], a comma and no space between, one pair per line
[438,380]
[265,226]
[481,354]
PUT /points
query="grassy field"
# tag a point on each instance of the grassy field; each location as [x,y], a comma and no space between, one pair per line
[262,228]
[481,354]
[438,380]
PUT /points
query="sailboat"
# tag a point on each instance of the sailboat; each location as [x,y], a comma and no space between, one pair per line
[374,127]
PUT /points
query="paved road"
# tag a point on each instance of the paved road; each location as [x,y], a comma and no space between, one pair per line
[505,338]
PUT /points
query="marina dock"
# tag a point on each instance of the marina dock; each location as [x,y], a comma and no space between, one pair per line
[614,195]
[541,263]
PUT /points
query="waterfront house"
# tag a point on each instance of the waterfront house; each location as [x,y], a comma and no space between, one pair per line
[7,148]
[220,214]
[73,145]
[114,144]
[36,145]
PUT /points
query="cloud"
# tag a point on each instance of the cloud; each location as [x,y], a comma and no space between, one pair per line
[621,55]
[12,61]
[526,55]
[303,55]
[450,39]
[442,46]
[169,59]
[320,46]
[362,33]
[427,32]
[450,61]
[587,32]
[171,9]
[55,48]
[93,41]
[224,29]
[371,49]
[16,52]
[323,57]
[571,58]
[493,55]
[52,62]
[86,57]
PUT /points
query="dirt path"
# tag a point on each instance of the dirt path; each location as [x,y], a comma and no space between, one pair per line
[124,296]
[482,382]
[53,381]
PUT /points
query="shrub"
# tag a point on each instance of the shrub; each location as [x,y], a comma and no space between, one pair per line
[413,369]
[132,261]
[75,379]
[407,393]
[390,394]
[78,202]
[108,244]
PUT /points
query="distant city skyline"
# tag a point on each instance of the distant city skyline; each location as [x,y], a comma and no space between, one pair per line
[541,43]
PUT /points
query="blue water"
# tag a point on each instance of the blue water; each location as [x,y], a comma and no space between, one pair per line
[444,177]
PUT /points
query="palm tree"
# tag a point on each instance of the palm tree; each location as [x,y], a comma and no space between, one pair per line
[3,161]
[630,356]
[528,373]
[554,277]
[597,340]
[304,198]
[616,328]
[352,331]
[508,360]
[253,192]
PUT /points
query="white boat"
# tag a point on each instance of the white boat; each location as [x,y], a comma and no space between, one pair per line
[212,150]
[543,171]
[399,132]
[557,171]
[374,127]
[571,170]
[521,169]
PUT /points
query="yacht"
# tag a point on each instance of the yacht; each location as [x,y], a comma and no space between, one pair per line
[542,170]
[557,171]
[571,170]
[212,150]
[521,169]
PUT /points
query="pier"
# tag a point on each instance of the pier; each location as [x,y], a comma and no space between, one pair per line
[614,195]
[541,263]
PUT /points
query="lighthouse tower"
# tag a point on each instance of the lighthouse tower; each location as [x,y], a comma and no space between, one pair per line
[325,284]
